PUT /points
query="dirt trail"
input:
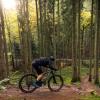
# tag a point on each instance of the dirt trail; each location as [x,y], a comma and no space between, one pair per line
[67,93]
[39,94]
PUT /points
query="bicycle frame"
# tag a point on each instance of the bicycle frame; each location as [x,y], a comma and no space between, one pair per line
[48,74]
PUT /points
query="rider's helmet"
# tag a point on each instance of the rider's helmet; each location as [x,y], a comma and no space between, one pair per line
[52,58]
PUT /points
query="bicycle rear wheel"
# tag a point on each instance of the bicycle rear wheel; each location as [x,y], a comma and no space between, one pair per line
[26,83]
[55,83]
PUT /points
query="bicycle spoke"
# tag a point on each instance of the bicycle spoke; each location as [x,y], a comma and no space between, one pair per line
[26,83]
[55,83]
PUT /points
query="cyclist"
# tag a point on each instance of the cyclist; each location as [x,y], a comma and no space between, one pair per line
[37,64]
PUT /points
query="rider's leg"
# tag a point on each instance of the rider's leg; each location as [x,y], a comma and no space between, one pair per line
[39,76]
[39,82]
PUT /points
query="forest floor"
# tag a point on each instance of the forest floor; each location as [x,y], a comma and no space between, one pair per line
[68,92]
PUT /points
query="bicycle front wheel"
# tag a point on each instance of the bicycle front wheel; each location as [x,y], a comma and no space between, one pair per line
[26,83]
[55,83]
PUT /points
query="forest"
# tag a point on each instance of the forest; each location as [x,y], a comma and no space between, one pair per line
[68,30]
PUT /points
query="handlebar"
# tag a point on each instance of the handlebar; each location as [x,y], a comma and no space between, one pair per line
[53,68]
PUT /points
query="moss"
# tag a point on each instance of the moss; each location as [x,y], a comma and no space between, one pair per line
[15,76]
[91,97]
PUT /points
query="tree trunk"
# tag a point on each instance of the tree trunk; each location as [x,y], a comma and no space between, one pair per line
[74,55]
[41,28]
[38,28]
[3,70]
[91,44]
[78,40]
[97,37]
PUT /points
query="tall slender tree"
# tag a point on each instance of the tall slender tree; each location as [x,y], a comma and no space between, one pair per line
[91,42]
[74,54]
[3,69]
[97,36]
[41,26]
[78,39]
[25,34]
[38,28]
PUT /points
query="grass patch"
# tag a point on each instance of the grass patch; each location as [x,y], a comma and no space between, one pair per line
[15,76]
[91,97]
[66,73]
[84,71]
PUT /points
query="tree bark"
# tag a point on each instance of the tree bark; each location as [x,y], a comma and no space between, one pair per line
[74,54]
[97,37]
[91,43]
[3,67]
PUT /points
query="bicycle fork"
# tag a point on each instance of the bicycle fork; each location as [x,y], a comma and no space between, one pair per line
[54,79]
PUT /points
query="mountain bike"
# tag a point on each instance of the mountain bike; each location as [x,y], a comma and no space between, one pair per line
[52,80]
